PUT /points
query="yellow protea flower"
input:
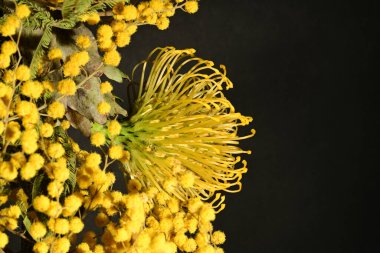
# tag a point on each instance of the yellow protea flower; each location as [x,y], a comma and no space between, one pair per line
[182,123]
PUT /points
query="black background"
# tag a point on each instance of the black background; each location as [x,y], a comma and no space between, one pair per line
[301,69]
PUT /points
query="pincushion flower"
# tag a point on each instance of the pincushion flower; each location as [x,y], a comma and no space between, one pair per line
[184,125]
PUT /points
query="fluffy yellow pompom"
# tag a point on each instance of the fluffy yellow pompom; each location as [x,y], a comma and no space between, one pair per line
[29,140]
[218,237]
[40,247]
[116,152]
[163,23]
[61,173]
[24,108]
[180,239]
[131,29]
[159,243]
[84,181]
[41,203]
[32,89]
[3,199]
[207,213]
[190,245]
[98,139]
[92,18]
[72,204]
[8,47]
[67,87]
[187,179]
[23,73]
[118,26]
[55,189]
[194,204]
[122,235]
[104,32]
[93,160]
[130,12]
[61,245]
[206,249]
[55,54]
[61,226]
[10,25]
[13,133]
[36,160]
[28,172]
[5,61]
[46,130]
[13,212]
[142,240]
[123,39]
[3,240]
[71,68]
[37,230]
[112,58]
[55,150]
[56,110]
[54,210]
[76,225]
[104,107]
[83,247]
[22,11]
[83,41]
[191,6]
[9,76]
[114,127]
[65,124]
[156,5]
[81,58]
[126,157]
[106,87]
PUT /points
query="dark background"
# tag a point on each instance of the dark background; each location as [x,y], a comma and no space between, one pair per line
[301,69]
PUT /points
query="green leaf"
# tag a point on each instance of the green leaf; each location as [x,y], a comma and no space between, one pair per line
[114,73]
[115,107]
[96,127]
[3,18]
[40,15]
[40,50]
[75,8]
[23,206]
[86,100]
[118,140]
[66,24]
[79,121]
[102,5]
[59,132]
[48,95]
[27,223]
[37,183]
[61,135]
[71,165]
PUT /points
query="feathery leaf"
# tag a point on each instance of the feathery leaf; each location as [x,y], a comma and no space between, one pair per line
[40,50]
[74,8]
